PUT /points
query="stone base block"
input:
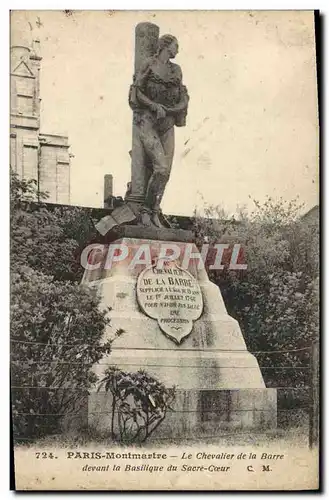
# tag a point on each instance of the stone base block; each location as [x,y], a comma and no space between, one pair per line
[200,414]
[188,368]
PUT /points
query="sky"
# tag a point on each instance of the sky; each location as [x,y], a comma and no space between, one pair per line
[252,127]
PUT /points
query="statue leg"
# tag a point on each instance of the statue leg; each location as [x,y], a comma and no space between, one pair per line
[168,144]
[160,173]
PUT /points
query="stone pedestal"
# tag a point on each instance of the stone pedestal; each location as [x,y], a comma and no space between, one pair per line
[219,383]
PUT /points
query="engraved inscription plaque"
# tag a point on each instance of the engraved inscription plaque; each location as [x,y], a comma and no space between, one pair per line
[172,296]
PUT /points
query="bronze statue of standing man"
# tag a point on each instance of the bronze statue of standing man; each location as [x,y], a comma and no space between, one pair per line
[159,101]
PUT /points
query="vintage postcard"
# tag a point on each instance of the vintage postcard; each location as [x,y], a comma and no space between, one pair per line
[164,183]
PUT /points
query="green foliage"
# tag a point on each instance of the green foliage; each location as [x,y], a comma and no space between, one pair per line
[46,238]
[139,404]
[56,325]
[56,333]
[23,190]
[275,300]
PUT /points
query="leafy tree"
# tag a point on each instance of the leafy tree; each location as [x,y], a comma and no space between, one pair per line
[56,325]
[270,298]
[56,333]
[46,238]
[139,404]
[275,300]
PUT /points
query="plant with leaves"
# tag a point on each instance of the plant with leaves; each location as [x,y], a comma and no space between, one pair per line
[139,404]
[57,326]
[275,300]
[271,298]
[44,237]
[56,338]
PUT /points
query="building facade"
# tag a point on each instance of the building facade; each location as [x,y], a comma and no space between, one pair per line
[33,154]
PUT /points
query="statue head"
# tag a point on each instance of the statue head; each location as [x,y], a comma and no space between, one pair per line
[169,43]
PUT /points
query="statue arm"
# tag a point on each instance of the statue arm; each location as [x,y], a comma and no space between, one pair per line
[136,96]
[155,107]
[142,73]
[143,99]
[136,93]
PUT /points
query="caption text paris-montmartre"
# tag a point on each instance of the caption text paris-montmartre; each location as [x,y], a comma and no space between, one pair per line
[111,455]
